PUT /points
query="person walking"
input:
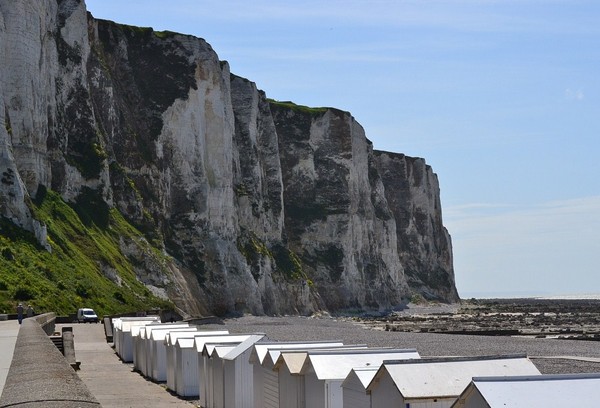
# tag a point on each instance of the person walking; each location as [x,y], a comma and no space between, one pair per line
[20,313]
[30,311]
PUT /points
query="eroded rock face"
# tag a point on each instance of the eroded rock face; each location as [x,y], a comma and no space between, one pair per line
[336,216]
[424,245]
[259,207]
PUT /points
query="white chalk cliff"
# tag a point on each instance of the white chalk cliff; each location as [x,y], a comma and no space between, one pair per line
[259,206]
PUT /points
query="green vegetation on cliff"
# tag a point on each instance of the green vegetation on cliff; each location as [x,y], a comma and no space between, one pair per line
[298,108]
[86,266]
[286,262]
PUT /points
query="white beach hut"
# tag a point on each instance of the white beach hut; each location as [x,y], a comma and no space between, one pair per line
[170,341]
[437,382]
[215,377]
[118,335]
[154,349]
[117,324]
[263,357]
[205,378]
[271,380]
[186,368]
[548,391]
[235,386]
[124,344]
[141,343]
[314,378]
[136,333]
[355,387]
[157,364]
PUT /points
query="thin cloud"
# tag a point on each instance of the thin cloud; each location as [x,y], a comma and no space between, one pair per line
[574,94]
[467,210]
[573,217]
[464,16]
[552,247]
[334,54]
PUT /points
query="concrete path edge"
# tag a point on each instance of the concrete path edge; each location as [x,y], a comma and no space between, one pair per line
[39,376]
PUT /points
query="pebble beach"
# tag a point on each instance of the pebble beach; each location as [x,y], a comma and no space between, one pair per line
[551,356]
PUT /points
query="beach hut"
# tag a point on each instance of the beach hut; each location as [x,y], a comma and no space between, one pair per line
[314,378]
[118,334]
[272,386]
[437,382]
[235,386]
[136,343]
[141,343]
[355,387]
[215,378]
[124,342]
[156,365]
[548,391]
[171,351]
[151,355]
[263,357]
[117,324]
[136,333]
[169,343]
[205,379]
[186,368]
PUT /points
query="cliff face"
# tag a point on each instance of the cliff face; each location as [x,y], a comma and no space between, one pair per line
[424,246]
[336,215]
[258,206]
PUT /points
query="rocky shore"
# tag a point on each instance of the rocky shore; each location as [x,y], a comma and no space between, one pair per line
[573,319]
[550,353]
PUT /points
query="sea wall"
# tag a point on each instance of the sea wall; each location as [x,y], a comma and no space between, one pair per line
[39,375]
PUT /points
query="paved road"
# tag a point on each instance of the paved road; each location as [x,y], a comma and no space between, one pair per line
[9,330]
[113,383]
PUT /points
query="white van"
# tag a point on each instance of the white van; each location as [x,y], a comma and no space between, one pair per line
[87,315]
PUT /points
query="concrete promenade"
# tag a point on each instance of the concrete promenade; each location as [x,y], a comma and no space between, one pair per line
[112,382]
[9,330]
[39,375]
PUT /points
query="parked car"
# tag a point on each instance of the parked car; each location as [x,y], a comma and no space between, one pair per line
[86,315]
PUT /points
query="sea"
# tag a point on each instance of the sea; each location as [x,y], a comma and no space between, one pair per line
[572,297]
[528,295]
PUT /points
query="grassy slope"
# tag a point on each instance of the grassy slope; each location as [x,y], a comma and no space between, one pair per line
[71,276]
[298,108]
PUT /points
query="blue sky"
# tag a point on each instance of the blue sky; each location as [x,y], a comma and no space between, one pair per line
[501,98]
